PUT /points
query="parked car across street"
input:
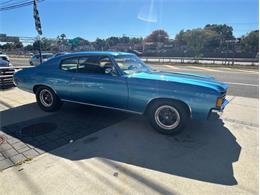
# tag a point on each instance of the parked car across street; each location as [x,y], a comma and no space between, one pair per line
[35,59]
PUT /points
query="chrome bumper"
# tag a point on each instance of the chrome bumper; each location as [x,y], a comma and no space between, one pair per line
[225,102]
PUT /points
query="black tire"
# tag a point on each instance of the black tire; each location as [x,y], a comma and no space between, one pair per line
[177,111]
[48,106]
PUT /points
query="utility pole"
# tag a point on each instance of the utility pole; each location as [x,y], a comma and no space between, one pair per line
[38,26]
[40,48]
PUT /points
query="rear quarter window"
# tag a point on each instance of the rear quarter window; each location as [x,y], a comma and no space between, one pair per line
[69,64]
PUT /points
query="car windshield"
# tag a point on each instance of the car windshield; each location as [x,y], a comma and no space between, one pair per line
[131,64]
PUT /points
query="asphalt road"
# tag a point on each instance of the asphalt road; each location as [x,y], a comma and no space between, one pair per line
[242,82]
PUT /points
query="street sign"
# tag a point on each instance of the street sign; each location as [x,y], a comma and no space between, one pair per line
[37,25]
[37,18]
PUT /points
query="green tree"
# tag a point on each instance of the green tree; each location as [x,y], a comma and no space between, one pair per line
[62,40]
[158,36]
[250,42]
[18,45]
[100,44]
[180,39]
[8,46]
[124,39]
[29,48]
[195,39]
[135,40]
[111,41]
[224,31]
[46,44]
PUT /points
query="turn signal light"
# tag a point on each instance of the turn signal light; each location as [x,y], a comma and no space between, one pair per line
[219,102]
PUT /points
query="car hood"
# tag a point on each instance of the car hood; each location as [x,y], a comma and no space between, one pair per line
[185,78]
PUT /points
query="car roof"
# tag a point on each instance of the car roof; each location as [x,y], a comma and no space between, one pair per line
[110,53]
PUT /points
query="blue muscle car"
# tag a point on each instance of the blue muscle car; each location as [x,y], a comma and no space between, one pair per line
[122,81]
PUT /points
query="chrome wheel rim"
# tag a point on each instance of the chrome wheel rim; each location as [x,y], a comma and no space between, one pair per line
[46,98]
[167,117]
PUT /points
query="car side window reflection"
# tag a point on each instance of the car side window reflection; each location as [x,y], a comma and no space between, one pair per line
[94,64]
[69,64]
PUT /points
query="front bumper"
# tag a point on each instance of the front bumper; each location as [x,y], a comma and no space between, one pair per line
[224,104]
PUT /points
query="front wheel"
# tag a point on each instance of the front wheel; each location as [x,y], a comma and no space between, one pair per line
[47,99]
[168,117]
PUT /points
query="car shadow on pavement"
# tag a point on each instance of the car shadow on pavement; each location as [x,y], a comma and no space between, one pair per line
[205,151]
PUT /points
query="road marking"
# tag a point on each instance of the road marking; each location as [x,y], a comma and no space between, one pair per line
[234,70]
[206,69]
[172,67]
[247,71]
[220,69]
[244,84]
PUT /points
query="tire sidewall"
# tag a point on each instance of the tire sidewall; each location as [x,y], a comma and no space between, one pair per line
[180,109]
[56,101]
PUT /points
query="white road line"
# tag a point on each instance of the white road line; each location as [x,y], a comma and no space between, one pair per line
[171,67]
[247,71]
[244,84]
[203,68]
[234,70]
[226,70]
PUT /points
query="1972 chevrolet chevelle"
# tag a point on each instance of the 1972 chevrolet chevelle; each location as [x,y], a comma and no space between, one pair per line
[122,81]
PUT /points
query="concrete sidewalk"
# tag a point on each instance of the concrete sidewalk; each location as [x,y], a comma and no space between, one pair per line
[15,98]
[219,156]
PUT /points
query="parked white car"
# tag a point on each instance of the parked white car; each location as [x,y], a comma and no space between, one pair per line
[5,57]
[35,60]
[4,63]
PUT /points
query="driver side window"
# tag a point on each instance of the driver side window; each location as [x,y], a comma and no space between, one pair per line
[95,65]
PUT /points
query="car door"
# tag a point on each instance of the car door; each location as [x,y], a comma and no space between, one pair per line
[67,70]
[92,84]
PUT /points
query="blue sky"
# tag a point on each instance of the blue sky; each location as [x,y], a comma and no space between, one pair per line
[103,18]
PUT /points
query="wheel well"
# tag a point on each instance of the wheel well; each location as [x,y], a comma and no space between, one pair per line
[153,101]
[37,86]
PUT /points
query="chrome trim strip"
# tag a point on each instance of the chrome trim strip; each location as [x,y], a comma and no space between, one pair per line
[224,104]
[124,110]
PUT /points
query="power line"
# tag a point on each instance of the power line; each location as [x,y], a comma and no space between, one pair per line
[17,5]
[2,3]
[12,3]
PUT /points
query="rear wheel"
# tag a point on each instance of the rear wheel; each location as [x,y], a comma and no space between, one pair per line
[168,117]
[47,99]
